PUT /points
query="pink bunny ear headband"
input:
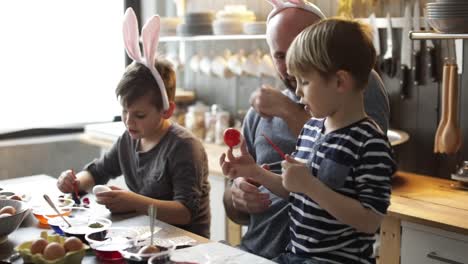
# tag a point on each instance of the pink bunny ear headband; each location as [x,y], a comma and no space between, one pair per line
[279,5]
[150,38]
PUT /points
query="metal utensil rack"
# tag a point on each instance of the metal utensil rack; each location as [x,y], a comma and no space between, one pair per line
[457,38]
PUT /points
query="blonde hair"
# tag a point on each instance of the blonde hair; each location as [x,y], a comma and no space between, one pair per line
[331,45]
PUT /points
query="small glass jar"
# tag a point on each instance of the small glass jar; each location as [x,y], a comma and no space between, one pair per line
[222,123]
[210,124]
[195,119]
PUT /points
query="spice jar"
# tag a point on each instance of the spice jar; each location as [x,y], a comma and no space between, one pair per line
[222,123]
[195,119]
[210,123]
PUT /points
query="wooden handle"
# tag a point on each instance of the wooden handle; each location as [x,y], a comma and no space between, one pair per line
[438,144]
[451,132]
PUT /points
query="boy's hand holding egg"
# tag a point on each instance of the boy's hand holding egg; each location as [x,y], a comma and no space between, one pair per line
[99,189]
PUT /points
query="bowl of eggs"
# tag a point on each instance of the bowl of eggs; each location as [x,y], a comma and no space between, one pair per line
[108,243]
[52,249]
[12,214]
[43,211]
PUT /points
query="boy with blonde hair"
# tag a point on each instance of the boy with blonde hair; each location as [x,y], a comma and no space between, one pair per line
[338,180]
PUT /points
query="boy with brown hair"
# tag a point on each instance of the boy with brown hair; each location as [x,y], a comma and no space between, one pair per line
[338,180]
[163,164]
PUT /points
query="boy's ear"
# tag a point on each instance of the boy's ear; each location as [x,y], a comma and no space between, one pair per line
[345,81]
[168,113]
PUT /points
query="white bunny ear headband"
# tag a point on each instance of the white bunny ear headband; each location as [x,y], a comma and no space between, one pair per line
[279,5]
[150,38]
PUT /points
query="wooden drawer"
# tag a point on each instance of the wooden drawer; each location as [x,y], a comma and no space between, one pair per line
[426,245]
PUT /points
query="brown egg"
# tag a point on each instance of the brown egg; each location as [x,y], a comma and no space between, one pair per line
[53,251]
[149,250]
[72,244]
[16,197]
[8,209]
[4,215]
[38,246]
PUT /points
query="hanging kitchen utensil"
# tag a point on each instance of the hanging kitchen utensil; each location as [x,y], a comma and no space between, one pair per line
[416,59]
[439,146]
[431,54]
[405,59]
[375,36]
[388,64]
[451,133]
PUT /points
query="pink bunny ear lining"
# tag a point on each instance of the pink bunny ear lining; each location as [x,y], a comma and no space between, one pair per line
[150,37]
[130,34]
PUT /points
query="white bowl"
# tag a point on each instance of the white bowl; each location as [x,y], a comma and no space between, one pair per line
[9,224]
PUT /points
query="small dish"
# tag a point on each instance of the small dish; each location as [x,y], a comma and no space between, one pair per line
[132,255]
[43,211]
[161,258]
[108,243]
[83,225]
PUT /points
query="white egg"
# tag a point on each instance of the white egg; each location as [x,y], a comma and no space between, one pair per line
[101,188]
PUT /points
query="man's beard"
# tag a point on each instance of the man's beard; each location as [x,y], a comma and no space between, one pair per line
[290,83]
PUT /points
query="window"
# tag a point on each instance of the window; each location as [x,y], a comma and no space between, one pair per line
[60,62]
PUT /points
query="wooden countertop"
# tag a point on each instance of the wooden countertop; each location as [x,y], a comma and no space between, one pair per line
[429,201]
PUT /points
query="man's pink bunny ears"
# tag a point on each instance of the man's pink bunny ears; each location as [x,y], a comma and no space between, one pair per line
[150,38]
[279,5]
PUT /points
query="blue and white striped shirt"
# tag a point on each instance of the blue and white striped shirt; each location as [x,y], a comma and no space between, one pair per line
[356,161]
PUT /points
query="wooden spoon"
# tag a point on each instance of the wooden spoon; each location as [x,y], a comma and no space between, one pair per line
[438,145]
[451,134]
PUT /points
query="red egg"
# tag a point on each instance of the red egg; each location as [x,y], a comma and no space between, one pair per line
[232,137]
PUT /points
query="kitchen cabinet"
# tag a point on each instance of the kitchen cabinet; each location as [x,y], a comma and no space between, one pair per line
[425,245]
[426,221]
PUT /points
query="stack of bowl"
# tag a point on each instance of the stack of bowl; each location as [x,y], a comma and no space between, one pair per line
[230,20]
[169,26]
[255,28]
[448,16]
[196,23]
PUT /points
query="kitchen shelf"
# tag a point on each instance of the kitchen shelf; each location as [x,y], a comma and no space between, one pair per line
[421,35]
[211,37]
